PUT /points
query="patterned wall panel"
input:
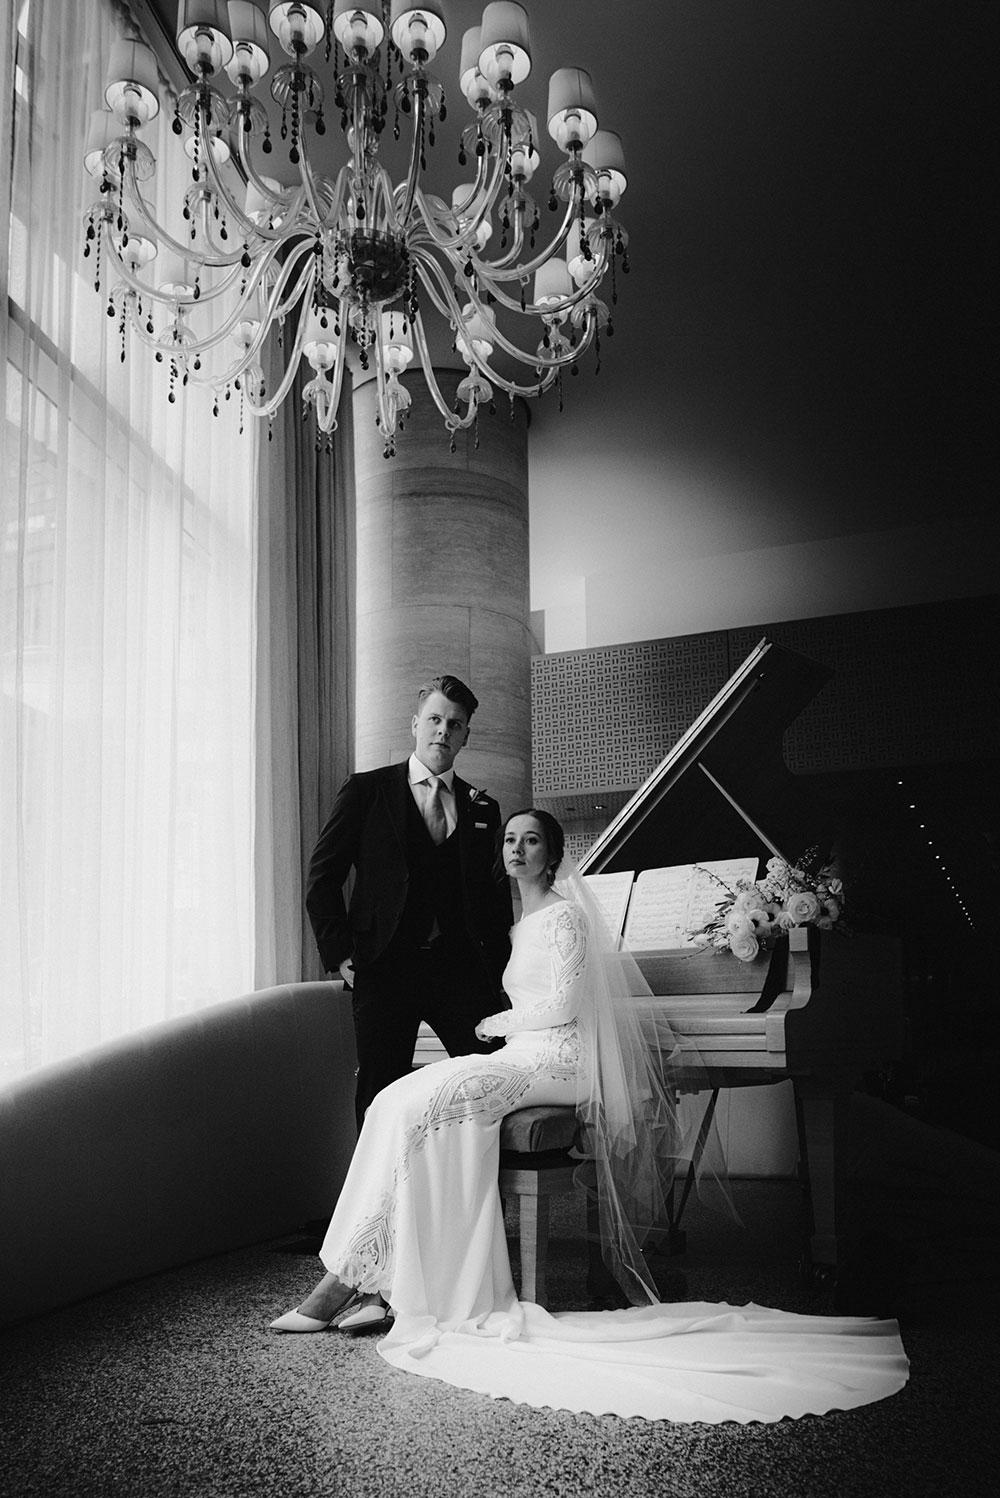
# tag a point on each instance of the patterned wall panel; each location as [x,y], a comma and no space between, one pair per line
[604,718]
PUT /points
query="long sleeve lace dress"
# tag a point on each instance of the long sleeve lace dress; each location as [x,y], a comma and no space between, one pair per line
[419,1220]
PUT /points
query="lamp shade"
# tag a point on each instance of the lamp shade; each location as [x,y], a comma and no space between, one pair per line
[320,344]
[552,282]
[604,153]
[297,25]
[261,207]
[505,51]
[464,206]
[251,39]
[580,268]
[132,82]
[203,35]
[354,26]
[102,130]
[478,332]
[214,140]
[469,65]
[524,157]
[136,250]
[572,111]
[397,340]
[178,274]
[418,27]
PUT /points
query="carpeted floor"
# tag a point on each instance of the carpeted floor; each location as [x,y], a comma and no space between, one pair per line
[173,1386]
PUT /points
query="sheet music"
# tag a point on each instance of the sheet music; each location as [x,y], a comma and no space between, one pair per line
[667,903]
[611,893]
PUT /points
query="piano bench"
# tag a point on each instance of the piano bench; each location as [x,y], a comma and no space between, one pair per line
[535,1164]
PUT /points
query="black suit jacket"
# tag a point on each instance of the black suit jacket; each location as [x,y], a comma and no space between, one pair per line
[366,831]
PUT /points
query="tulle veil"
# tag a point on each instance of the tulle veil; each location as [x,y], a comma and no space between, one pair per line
[644,1120]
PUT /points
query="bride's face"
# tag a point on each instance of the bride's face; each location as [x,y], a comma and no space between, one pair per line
[525,851]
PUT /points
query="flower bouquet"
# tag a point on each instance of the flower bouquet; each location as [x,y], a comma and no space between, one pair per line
[751,917]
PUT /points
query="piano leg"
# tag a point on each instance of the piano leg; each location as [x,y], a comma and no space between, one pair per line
[822,1106]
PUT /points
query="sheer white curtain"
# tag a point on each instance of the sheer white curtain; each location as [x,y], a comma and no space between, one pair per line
[127,594]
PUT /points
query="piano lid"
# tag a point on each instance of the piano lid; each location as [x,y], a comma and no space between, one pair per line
[724,790]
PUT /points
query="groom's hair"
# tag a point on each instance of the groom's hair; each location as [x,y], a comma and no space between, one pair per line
[453,689]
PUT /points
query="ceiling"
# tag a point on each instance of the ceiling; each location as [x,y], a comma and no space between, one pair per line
[807,205]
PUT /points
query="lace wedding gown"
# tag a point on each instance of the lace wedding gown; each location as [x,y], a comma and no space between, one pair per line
[419,1220]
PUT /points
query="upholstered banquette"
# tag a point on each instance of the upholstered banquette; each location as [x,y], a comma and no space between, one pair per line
[221,1128]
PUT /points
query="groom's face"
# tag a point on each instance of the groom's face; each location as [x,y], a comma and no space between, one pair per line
[440,729]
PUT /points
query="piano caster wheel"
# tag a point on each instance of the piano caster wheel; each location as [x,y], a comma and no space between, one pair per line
[817,1276]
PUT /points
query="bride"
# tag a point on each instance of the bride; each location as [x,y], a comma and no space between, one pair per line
[419,1226]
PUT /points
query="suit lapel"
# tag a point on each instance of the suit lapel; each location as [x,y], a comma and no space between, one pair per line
[463,810]
[396,789]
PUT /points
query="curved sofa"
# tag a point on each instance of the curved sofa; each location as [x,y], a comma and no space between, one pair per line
[202,1134]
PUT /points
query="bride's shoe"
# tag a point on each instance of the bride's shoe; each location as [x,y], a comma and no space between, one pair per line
[371,1312]
[294,1321]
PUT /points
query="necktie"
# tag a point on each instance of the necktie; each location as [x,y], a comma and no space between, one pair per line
[434,817]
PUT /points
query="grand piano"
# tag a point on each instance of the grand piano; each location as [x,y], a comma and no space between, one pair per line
[823,1009]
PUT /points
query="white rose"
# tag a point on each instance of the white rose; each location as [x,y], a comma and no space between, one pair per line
[802,907]
[745,947]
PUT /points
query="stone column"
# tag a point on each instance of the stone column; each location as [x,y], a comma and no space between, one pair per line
[442,584]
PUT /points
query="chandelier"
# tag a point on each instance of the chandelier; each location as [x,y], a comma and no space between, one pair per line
[353,261]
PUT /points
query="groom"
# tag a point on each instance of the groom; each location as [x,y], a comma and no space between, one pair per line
[426,936]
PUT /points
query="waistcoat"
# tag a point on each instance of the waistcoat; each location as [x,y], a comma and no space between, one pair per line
[435,887]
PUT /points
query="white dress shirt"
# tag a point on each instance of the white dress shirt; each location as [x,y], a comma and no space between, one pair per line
[419,775]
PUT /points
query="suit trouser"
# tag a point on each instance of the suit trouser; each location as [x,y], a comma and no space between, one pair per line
[444,983]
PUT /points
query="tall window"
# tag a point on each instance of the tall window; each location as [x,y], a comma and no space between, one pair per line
[126,610]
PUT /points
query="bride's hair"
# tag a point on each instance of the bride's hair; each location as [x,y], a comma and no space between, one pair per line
[555,840]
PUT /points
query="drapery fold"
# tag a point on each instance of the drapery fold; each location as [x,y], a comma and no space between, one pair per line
[305,670]
[151,665]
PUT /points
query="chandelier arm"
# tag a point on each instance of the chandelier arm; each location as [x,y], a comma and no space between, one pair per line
[214,256]
[149,219]
[247,227]
[152,293]
[309,189]
[510,387]
[268,407]
[413,171]
[482,171]
[517,244]
[551,366]
[534,309]
[461,239]
[273,310]
[503,272]
[254,178]
[452,420]
[381,192]
[388,416]
[451,310]
[448,306]
[360,134]
[446,303]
